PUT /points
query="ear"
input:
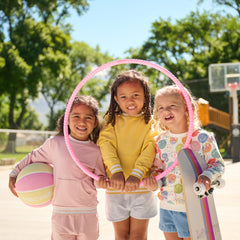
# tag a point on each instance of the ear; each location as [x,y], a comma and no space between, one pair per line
[115,98]
[95,124]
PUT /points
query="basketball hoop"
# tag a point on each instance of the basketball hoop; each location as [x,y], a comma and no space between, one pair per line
[232,86]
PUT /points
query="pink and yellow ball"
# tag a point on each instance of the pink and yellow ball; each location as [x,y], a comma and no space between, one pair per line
[34,185]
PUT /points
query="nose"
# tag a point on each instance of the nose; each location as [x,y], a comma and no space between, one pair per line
[166,109]
[81,120]
[130,99]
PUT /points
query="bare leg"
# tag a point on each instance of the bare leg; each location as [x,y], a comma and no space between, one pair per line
[173,236]
[122,229]
[138,229]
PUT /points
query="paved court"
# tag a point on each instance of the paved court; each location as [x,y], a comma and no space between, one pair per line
[20,222]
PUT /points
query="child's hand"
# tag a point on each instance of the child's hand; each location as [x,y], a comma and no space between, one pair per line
[150,183]
[103,182]
[132,184]
[205,180]
[117,181]
[11,185]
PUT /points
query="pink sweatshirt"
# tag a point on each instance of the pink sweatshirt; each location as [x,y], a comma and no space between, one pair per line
[74,191]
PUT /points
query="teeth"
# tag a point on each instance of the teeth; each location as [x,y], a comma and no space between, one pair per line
[130,108]
[80,128]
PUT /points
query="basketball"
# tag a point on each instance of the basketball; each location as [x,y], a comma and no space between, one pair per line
[34,185]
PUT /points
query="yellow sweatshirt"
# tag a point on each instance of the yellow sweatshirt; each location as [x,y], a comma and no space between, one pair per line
[128,147]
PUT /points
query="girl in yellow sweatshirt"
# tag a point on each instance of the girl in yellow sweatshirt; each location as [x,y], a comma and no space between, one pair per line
[128,150]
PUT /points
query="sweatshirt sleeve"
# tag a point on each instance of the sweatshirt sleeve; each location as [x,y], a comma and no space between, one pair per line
[100,169]
[145,160]
[214,159]
[41,154]
[108,145]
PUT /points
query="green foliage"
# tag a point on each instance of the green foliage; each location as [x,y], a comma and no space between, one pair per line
[31,121]
[34,50]
[234,4]
[187,47]
[3,112]
[34,54]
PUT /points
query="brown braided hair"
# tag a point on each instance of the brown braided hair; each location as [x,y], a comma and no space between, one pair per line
[130,75]
[90,102]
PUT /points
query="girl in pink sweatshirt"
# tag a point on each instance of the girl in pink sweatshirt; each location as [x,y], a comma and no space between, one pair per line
[75,195]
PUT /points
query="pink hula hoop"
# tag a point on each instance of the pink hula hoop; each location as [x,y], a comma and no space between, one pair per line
[111,64]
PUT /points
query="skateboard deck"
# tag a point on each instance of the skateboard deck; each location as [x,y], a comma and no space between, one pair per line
[201,212]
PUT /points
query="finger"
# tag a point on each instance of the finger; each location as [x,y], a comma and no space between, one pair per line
[14,191]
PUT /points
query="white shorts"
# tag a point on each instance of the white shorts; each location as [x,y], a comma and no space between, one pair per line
[122,206]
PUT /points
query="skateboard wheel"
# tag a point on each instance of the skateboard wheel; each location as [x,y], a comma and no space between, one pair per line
[221,183]
[199,189]
[210,191]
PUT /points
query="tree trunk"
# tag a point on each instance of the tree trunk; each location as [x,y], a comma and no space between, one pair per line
[11,144]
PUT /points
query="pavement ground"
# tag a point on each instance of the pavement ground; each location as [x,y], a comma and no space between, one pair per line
[20,222]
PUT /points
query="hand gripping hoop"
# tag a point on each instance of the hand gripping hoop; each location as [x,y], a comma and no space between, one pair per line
[111,64]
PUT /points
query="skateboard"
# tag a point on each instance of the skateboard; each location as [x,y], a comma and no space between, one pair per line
[200,189]
[201,211]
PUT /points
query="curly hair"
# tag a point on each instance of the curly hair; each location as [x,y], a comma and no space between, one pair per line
[175,90]
[130,75]
[90,102]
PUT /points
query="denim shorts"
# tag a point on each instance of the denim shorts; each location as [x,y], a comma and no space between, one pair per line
[172,221]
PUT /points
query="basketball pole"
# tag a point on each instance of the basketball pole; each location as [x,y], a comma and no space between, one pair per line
[226,77]
[235,127]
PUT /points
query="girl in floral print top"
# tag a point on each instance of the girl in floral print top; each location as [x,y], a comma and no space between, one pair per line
[171,119]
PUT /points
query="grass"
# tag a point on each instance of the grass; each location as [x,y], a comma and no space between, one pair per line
[17,156]
[21,152]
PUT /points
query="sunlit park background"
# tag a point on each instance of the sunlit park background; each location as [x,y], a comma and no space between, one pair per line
[48,46]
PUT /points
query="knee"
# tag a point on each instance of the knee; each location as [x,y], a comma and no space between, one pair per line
[122,236]
[138,236]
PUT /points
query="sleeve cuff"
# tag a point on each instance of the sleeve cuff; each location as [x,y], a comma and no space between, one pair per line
[13,173]
[116,168]
[137,173]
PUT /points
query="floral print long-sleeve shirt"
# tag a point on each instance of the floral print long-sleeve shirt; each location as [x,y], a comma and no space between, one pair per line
[168,145]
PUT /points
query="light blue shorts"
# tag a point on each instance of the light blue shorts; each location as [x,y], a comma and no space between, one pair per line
[171,221]
[122,206]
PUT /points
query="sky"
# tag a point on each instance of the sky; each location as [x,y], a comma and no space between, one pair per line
[117,25]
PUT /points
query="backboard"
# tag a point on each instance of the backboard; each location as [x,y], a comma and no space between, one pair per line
[222,75]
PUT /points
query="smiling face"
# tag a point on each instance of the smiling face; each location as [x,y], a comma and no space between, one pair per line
[130,97]
[171,111]
[82,121]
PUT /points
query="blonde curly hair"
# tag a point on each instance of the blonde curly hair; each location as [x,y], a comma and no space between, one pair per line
[169,90]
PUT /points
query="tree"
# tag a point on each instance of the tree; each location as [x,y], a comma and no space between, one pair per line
[234,4]
[29,33]
[21,67]
[69,70]
[84,59]
[187,47]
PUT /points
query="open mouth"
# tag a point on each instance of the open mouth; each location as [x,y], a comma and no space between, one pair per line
[169,118]
[81,129]
[131,108]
